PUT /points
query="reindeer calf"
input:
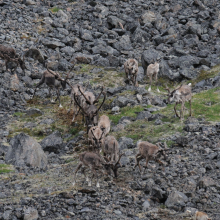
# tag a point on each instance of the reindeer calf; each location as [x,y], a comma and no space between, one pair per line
[111,148]
[180,95]
[131,70]
[149,152]
[104,124]
[152,71]
[201,216]
[94,162]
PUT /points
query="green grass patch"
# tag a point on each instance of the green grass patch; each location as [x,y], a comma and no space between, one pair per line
[55,9]
[207,74]
[4,168]
[18,114]
[207,104]
[69,160]
[147,131]
[126,111]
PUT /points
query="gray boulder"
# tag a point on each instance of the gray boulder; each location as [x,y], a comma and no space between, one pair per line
[176,199]
[68,51]
[24,150]
[52,43]
[53,142]
[30,214]
[143,115]
[125,143]
[122,101]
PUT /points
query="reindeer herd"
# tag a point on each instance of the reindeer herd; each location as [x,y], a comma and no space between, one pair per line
[103,154]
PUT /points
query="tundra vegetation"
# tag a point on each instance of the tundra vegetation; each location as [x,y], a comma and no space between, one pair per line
[111,117]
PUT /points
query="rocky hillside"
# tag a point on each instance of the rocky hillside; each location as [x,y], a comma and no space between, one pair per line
[39,143]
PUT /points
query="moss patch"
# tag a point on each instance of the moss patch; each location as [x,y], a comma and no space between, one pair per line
[55,9]
[207,74]
[4,168]
[126,111]
[147,131]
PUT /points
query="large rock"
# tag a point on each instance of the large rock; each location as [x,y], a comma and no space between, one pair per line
[24,150]
[124,44]
[122,101]
[30,214]
[35,54]
[113,21]
[176,199]
[125,143]
[52,143]
[15,83]
[148,17]
[52,43]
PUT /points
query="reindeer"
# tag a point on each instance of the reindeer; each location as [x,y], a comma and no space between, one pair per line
[111,148]
[53,80]
[88,98]
[131,70]
[149,152]
[104,124]
[152,70]
[9,55]
[95,162]
[201,216]
[180,96]
[75,91]
[96,137]
[90,112]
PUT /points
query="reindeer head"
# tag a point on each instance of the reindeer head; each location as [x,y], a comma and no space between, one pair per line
[172,95]
[132,68]
[97,134]
[114,166]
[91,112]
[161,152]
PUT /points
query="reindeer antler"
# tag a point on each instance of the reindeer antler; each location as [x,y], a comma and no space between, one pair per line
[119,158]
[84,95]
[55,74]
[93,134]
[179,87]
[67,74]
[96,100]
[104,93]
[79,104]
[167,88]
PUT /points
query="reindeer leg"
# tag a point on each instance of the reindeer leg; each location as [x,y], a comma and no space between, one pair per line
[182,111]
[147,160]
[51,96]
[190,103]
[176,111]
[78,167]
[138,158]
[74,111]
[157,83]
[58,96]
[71,102]
[150,83]
[86,177]
[136,83]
